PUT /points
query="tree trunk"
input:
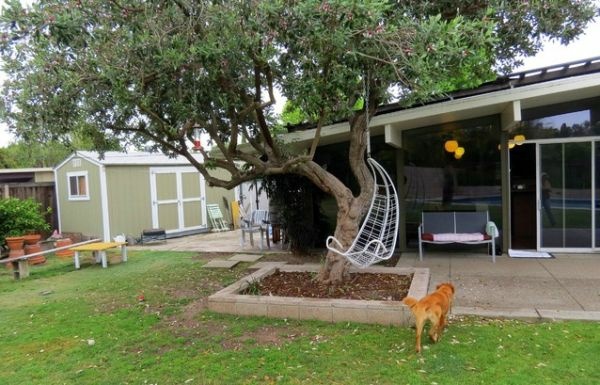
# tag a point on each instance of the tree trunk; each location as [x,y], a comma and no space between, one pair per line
[351,209]
[348,222]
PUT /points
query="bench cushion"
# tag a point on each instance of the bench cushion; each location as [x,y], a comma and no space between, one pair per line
[455,237]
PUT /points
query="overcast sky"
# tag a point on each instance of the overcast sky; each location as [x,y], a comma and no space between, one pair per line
[586,46]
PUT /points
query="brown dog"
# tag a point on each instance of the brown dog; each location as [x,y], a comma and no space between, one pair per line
[435,308]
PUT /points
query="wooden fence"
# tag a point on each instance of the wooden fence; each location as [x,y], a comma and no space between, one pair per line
[41,192]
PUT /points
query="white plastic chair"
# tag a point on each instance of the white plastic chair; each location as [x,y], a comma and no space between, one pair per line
[257,223]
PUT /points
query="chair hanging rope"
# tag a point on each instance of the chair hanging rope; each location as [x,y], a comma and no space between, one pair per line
[376,239]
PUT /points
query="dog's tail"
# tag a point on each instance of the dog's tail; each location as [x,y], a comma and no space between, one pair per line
[410,301]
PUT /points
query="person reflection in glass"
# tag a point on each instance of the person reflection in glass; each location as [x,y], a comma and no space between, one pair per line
[449,185]
[546,193]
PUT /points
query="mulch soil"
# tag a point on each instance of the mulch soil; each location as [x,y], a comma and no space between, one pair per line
[362,286]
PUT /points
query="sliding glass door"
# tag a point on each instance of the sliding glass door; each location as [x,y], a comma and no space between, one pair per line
[567,215]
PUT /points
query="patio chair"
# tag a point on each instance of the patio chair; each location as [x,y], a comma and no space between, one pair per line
[216,218]
[258,222]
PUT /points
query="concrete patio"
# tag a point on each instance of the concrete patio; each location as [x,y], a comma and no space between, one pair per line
[564,287]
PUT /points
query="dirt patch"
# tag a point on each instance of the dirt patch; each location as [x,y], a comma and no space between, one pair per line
[264,336]
[361,286]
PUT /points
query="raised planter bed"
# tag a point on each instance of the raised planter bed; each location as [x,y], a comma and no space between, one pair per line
[230,301]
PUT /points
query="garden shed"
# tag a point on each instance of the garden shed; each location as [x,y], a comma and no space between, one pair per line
[126,193]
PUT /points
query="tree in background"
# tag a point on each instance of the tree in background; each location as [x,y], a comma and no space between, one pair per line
[151,72]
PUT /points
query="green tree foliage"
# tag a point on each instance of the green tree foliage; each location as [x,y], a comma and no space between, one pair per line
[149,72]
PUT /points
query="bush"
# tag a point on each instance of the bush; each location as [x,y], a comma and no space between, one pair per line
[293,198]
[20,217]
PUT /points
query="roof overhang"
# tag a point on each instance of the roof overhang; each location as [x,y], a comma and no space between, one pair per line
[508,103]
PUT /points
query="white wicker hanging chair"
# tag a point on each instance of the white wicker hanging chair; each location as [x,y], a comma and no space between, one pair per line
[377,236]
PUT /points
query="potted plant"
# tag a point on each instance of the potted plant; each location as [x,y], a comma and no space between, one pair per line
[18,218]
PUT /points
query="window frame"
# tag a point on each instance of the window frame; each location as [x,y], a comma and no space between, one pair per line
[79,197]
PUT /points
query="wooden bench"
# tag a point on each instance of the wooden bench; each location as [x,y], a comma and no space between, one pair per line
[153,235]
[21,264]
[466,227]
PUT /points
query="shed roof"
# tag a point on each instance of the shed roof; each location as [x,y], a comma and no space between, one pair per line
[114,158]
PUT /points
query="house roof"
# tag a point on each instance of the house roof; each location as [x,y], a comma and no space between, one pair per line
[515,80]
[114,158]
[22,175]
[507,96]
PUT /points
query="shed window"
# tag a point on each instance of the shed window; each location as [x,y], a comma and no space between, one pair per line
[78,186]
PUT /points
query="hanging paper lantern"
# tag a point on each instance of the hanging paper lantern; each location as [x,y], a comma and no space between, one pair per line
[460,151]
[519,139]
[511,144]
[196,139]
[451,145]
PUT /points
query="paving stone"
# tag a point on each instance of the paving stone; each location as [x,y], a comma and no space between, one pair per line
[219,263]
[260,265]
[246,257]
[522,313]
[570,315]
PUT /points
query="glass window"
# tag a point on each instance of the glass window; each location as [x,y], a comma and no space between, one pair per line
[78,186]
[454,166]
[574,119]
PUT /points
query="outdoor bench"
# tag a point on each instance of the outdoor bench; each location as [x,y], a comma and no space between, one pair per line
[21,264]
[466,227]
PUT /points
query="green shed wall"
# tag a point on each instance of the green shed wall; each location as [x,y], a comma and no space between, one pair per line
[80,216]
[129,201]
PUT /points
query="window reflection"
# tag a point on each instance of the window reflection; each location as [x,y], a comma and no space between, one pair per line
[562,120]
[438,179]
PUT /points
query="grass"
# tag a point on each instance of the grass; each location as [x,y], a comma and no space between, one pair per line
[62,326]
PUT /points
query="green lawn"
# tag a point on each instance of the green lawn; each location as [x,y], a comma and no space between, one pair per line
[62,326]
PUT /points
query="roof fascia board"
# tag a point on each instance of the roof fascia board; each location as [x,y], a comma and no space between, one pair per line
[88,158]
[494,101]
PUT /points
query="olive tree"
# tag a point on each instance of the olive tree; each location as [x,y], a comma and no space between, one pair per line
[150,72]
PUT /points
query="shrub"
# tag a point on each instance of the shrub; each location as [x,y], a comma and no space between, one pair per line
[294,199]
[21,216]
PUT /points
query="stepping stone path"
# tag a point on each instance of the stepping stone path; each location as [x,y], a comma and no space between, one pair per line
[221,263]
[234,260]
[246,257]
[260,265]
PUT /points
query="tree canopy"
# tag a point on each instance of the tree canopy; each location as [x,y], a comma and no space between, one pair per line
[149,72]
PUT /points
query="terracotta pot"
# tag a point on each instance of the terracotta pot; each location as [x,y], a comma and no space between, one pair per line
[64,253]
[15,246]
[35,248]
[32,239]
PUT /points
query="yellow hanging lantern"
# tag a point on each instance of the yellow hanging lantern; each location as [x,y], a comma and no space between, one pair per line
[519,139]
[451,145]
[511,144]
[460,151]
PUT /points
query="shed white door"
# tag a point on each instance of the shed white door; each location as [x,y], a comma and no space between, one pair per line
[178,199]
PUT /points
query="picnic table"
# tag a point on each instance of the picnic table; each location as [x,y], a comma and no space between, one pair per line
[98,250]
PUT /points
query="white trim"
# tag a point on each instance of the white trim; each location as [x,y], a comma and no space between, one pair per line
[57,192]
[153,201]
[85,197]
[104,205]
[203,198]
[179,192]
